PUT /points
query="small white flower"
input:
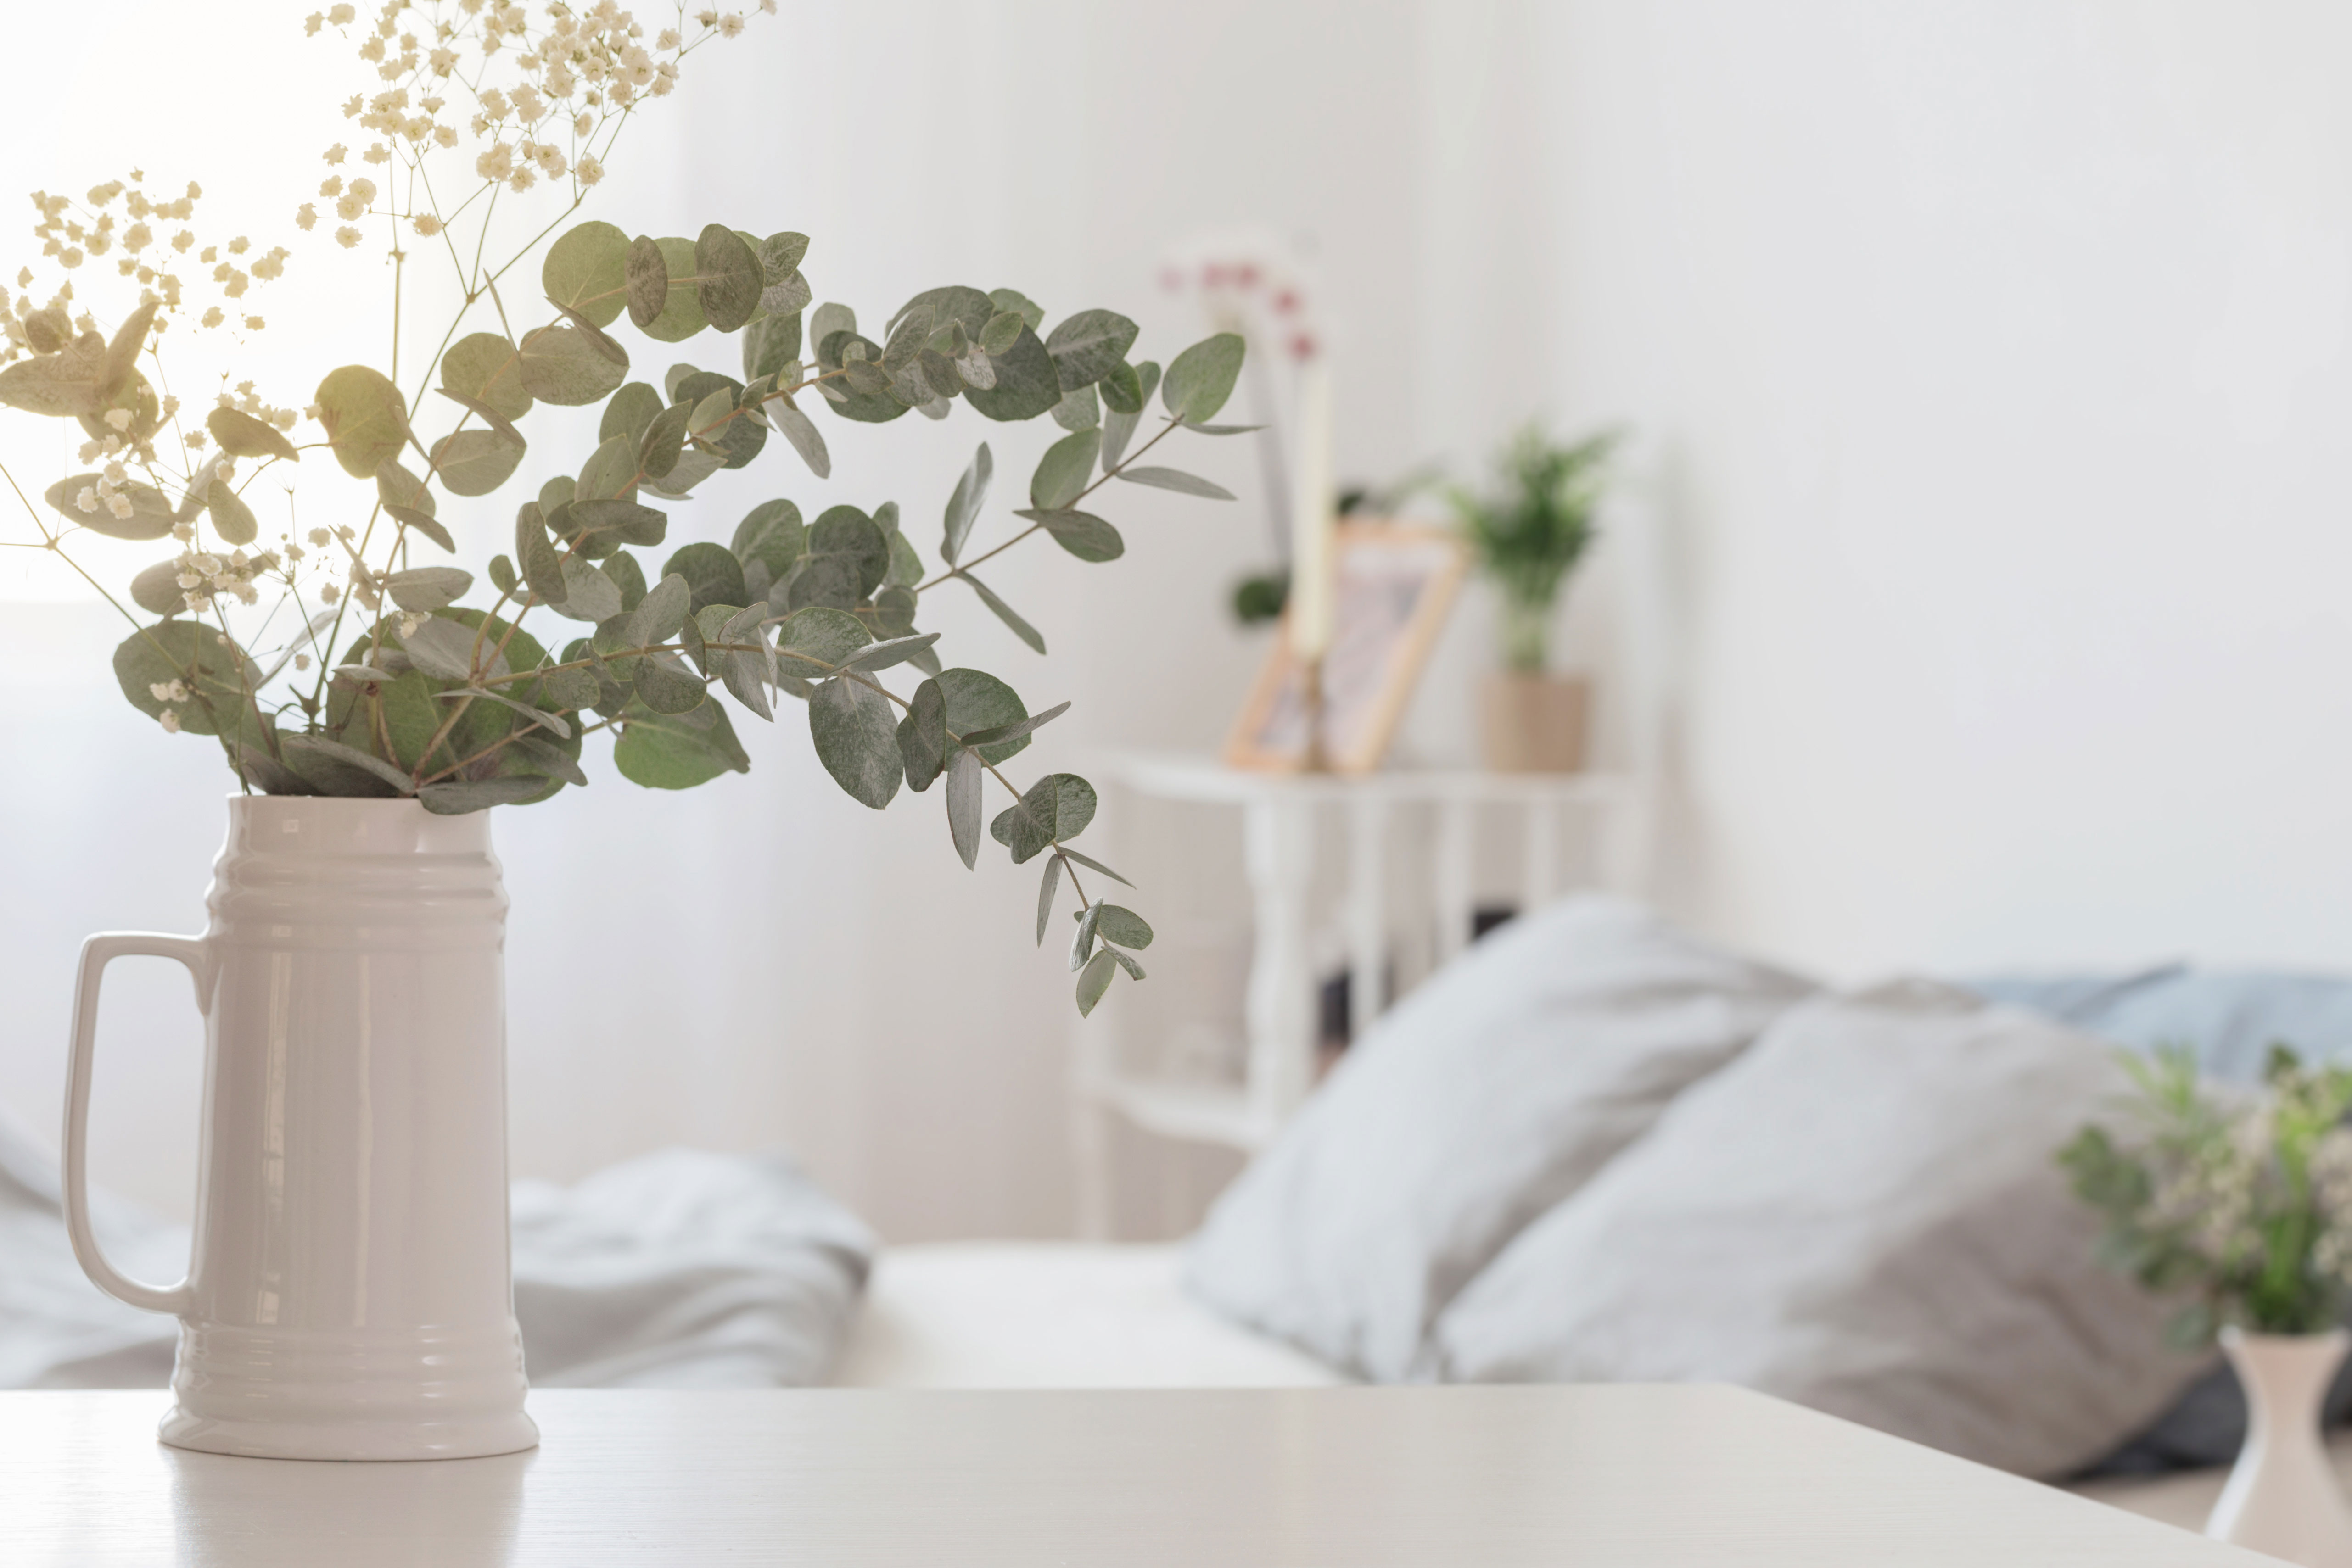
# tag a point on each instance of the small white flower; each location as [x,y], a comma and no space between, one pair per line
[170,721]
[346,236]
[86,498]
[329,594]
[319,537]
[119,418]
[301,660]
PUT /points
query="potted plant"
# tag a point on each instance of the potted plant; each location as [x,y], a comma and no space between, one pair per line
[1529,533]
[350,1294]
[2242,1204]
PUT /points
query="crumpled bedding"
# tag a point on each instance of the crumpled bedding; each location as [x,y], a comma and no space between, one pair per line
[676,1269]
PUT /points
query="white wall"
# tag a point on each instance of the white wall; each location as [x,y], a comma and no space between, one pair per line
[1998,356]
[1992,363]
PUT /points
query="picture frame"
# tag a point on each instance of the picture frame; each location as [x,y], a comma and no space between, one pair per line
[1396,584]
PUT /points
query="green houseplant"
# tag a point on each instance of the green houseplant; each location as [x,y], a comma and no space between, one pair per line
[1528,534]
[2239,1206]
[352,658]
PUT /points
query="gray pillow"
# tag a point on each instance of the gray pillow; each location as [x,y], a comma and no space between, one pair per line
[1862,1215]
[1487,1096]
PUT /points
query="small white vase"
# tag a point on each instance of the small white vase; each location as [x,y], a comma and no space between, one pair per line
[350,1294]
[2282,1496]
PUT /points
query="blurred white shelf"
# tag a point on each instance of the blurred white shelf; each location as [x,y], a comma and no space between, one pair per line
[1281,1014]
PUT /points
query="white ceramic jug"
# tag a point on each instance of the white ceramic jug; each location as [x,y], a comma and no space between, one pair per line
[350,1295]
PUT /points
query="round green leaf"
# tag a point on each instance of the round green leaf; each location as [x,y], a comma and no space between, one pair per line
[1202,377]
[772,534]
[681,315]
[731,277]
[151,512]
[365,417]
[677,752]
[232,519]
[560,365]
[586,271]
[189,653]
[488,369]
[851,727]
[1027,385]
[711,572]
[976,701]
[475,462]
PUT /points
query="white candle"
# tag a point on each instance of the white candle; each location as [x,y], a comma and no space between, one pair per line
[1313,544]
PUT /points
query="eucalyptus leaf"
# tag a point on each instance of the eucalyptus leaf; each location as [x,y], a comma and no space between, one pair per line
[1094,981]
[772,534]
[539,565]
[665,685]
[242,435]
[1062,473]
[1082,941]
[977,700]
[59,384]
[1122,389]
[1083,534]
[771,344]
[609,473]
[923,737]
[559,364]
[802,433]
[458,797]
[711,573]
[628,522]
[1057,807]
[731,277]
[1222,429]
[157,590]
[426,588]
[1134,970]
[629,413]
[1004,731]
[549,758]
[677,752]
[487,369]
[646,278]
[1046,890]
[475,462]
[573,689]
[1003,612]
[187,651]
[829,318]
[339,770]
[1002,331]
[963,506]
[122,352]
[1096,865]
[589,594]
[398,487]
[847,534]
[423,523]
[1026,381]
[660,613]
[1124,926]
[1091,345]
[817,641]
[1178,480]
[883,655]
[850,725]
[1119,424]
[663,441]
[365,418]
[964,776]
[232,519]
[1031,314]
[445,650]
[150,510]
[1201,379]
[540,716]
[1079,410]
[587,269]
[681,314]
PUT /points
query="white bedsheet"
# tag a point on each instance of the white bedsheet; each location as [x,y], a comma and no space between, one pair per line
[1043,1315]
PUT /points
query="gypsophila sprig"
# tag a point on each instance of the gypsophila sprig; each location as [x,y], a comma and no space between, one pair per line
[2240,1202]
[338,655]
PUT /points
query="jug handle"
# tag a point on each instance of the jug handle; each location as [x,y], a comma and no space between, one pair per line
[96,954]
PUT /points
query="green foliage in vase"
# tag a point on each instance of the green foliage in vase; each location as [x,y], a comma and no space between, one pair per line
[2240,1203]
[1531,529]
[357,661]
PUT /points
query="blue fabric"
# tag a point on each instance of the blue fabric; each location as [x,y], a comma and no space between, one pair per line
[2230,1021]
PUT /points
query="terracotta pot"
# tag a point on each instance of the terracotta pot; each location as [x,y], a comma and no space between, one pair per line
[1535,724]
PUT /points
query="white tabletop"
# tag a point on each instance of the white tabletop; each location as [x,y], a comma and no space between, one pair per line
[1344,1477]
